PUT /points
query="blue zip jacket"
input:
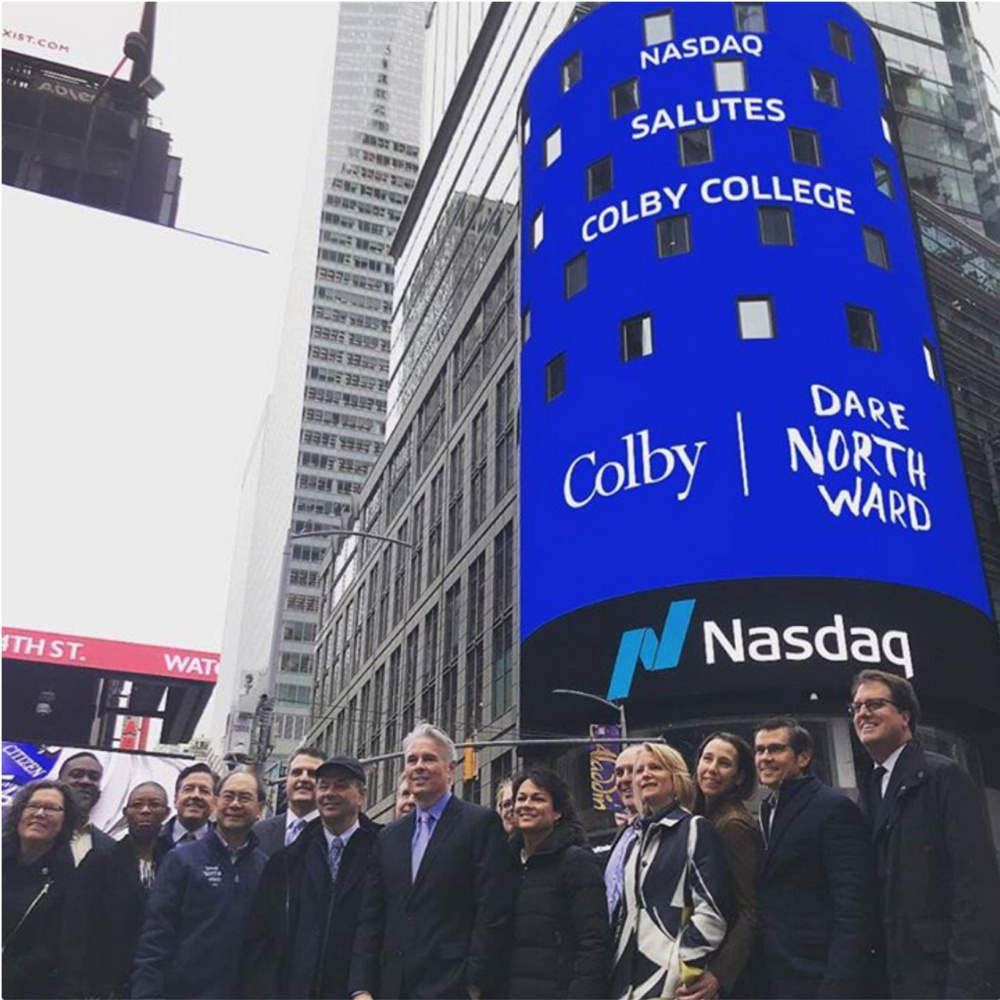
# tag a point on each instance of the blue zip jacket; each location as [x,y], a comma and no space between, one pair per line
[190,943]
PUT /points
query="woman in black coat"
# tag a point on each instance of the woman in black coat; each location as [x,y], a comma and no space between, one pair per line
[562,940]
[37,868]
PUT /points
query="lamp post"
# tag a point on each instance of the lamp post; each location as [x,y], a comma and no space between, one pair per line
[263,750]
[618,707]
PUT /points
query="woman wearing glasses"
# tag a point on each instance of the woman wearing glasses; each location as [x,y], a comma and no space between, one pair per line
[37,866]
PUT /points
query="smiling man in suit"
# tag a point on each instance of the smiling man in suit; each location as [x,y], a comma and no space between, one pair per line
[437,908]
[937,872]
[816,899]
[301,931]
[300,795]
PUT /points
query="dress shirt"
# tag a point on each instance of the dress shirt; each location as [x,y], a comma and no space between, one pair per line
[614,874]
[81,844]
[179,831]
[298,824]
[344,837]
[888,764]
[235,853]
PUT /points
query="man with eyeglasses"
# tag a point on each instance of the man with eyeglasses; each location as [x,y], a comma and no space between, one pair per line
[83,773]
[937,872]
[192,937]
[816,898]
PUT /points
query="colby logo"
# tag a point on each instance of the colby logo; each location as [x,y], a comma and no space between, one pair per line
[640,645]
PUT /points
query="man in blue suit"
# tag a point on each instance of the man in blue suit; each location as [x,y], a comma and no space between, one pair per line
[816,900]
[437,907]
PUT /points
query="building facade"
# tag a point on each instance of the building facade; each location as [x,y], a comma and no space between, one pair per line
[334,399]
[459,414]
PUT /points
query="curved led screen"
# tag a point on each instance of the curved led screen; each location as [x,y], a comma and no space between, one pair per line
[739,468]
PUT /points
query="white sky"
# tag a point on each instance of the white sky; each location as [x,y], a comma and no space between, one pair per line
[137,359]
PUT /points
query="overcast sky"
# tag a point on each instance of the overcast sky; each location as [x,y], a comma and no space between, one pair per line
[137,359]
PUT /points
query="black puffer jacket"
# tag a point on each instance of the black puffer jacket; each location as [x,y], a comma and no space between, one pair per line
[562,940]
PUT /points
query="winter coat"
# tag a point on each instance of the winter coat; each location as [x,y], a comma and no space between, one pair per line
[34,897]
[562,938]
[938,881]
[676,907]
[191,940]
[301,930]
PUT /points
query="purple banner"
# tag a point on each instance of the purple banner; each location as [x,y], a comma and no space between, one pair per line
[603,753]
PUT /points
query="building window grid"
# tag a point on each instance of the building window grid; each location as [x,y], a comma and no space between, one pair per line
[477,481]
[805,147]
[600,177]
[428,691]
[474,637]
[505,449]
[658,28]
[555,378]
[410,665]
[840,41]
[876,249]
[883,178]
[553,146]
[456,497]
[862,328]
[750,17]
[824,88]
[435,530]
[502,682]
[571,72]
[417,552]
[449,675]
[730,75]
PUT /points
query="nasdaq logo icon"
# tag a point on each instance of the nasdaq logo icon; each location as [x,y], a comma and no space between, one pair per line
[641,645]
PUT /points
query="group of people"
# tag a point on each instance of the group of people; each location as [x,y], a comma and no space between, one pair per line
[895,896]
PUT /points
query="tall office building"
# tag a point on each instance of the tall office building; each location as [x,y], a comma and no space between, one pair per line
[331,389]
[432,630]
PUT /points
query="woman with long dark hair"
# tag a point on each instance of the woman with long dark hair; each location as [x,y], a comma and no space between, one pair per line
[37,868]
[562,940]
[725,777]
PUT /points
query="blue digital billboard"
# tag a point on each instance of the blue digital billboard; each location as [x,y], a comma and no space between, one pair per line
[739,468]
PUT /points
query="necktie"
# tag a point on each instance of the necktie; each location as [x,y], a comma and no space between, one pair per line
[294,830]
[425,824]
[877,775]
[615,875]
[333,858]
[187,838]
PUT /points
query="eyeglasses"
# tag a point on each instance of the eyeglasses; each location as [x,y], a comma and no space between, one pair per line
[244,798]
[46,808]
[869,704]
[771,748]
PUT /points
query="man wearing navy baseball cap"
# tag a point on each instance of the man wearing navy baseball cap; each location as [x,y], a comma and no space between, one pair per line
[301,931]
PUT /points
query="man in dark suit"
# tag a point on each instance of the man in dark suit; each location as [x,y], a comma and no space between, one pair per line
[937,871]
[614,868]
[300,795]
[107,902]
[194,802]
[301,930]
[816,900]
[437,907]
[83,773]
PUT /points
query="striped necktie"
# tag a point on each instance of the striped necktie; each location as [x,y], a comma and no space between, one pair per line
[333,857]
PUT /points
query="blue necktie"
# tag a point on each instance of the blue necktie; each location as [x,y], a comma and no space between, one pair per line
[294,830]
[333,858]
[425,825]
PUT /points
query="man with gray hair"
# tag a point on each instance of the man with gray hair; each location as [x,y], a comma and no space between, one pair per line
[440,890]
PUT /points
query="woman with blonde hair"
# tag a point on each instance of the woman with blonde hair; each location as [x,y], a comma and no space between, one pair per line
[676,902]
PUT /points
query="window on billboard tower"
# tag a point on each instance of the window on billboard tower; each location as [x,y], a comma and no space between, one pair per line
[756,317]
[775,225]
[883,178]
[553,146]
[750,17]
[637,337]
[555,378]
[824,88]
[673,236]
[805,147]
[625,98]
[862,328]
[575,275]
[840,39]
[659,28]
[572,71]
[930,362]
[695,146]
[537,230]
[730,75]
[876,251]
[599,178]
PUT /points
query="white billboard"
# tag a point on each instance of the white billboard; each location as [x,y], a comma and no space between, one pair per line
[86,36]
